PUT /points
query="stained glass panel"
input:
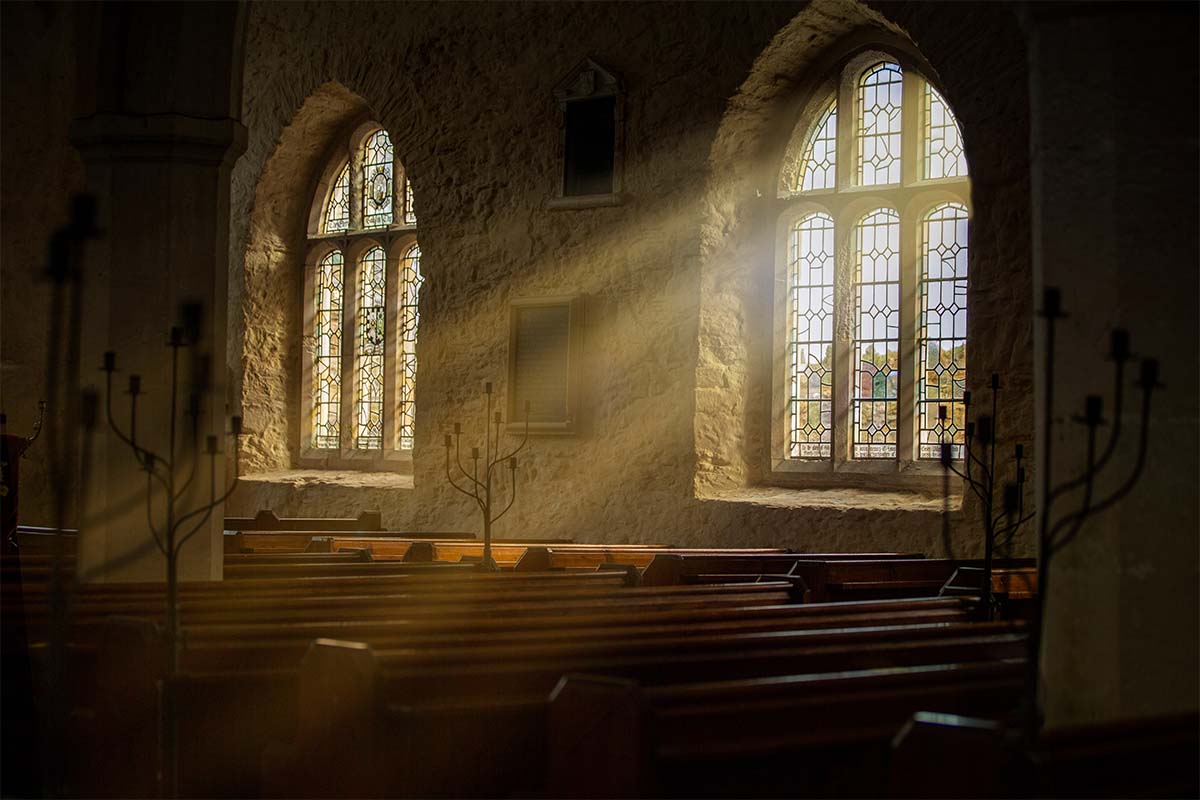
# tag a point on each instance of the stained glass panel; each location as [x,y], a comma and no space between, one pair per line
[337,210]
[377,181]
[369,356]
[876,346]
[880,95]
[819,167]
[810,327]
[327,353]
[942,139]
[410,318]
[942,344]
[410,215]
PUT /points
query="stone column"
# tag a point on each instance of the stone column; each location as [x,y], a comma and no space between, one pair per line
[1114,161]
[158,106]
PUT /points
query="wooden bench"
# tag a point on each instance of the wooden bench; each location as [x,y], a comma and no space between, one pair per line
[505,688]
[808,733]
[671,568]
[870,579]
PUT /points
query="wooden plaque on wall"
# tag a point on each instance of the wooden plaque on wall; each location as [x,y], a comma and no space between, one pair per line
[543,360]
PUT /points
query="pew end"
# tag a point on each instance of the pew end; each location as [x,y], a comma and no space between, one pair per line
[597,727]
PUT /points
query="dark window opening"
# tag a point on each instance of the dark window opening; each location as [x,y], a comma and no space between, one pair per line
[590,140]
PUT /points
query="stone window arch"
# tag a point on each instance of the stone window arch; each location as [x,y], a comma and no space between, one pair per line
[871,274]
[362,282]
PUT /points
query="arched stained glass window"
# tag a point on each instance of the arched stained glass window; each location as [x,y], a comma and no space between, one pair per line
[810,349]
[880,98]
[942,345]
[944,156]
[370,345]
[337,210]
[377,181]
[872,331]
[362,315]
[818,168]
[327,352]
[410,317]
[876,334]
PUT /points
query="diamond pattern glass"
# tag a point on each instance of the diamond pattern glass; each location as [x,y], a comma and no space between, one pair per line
[819,165]
[410,318]
[876,345]
[377,181]
[880,95]
[810,339]
[370,346]
[942,344]
[941,139]
[327,353]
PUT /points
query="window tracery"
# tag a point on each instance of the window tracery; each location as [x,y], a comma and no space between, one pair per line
[872,266]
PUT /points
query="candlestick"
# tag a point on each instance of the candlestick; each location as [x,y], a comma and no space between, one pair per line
[457,428]
[966,398]
[941,412]
[176,336]
[487,387]
[1051,302]
[474,452]
[1149,377]
[995,381]
[497,417]
[210,445]
[1120,344]
[448,441]
[512,463]
[135,384]
[1020,451]
[235,424]
[110,361]
[1092,407]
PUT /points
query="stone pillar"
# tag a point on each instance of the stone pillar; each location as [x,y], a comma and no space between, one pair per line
[1114,161]
[158,106]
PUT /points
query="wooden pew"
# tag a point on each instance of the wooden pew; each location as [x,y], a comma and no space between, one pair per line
[869,579]
[671,568]
[265,520]
[813,734]
[504,688]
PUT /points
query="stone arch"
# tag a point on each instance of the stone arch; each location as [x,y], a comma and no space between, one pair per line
[733,369]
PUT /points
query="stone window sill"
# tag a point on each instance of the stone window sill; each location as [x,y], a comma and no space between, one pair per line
[841,499]
[301,478]
[576,202]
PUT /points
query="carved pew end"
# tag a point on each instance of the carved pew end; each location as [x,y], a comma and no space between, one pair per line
[596,731]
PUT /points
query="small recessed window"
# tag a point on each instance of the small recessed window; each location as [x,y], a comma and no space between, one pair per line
[590,101]
[543,364]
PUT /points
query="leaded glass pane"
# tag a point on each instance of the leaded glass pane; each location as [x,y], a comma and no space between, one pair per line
[337,210]
[410,318]
[810,340]
[327,353]
[880,95]
[876,347]
[410,215]
[942,139]
[377,181]
[819,167]
[370,342]
[943,338]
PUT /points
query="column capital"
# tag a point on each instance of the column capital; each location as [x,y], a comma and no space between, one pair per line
[110,138]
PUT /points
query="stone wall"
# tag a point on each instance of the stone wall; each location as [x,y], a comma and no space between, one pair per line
[672,280]
[40,172]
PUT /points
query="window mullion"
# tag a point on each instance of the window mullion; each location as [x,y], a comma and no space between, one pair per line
[350,302]
[910,167]
[391,360]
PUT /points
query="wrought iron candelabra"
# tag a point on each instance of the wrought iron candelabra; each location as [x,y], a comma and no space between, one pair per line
[979,473]
[480,489]
[179,522]
[1056,534]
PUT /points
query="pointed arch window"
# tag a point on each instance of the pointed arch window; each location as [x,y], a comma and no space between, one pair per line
[363,281]
[871,265]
